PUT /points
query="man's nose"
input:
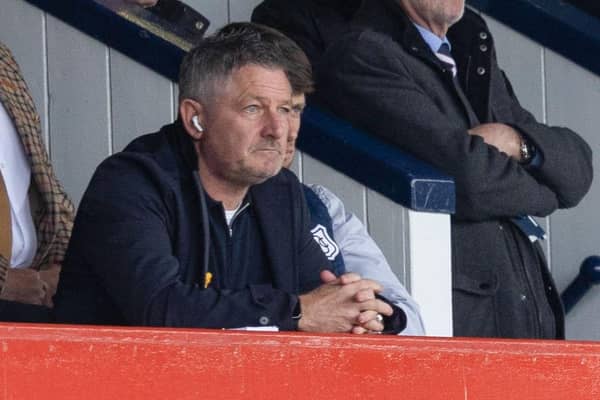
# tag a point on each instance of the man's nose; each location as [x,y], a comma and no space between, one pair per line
[277,125]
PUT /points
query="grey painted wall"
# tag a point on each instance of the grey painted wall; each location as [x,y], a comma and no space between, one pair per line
[94,100]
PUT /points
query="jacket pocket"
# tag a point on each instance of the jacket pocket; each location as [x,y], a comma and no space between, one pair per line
[474,301]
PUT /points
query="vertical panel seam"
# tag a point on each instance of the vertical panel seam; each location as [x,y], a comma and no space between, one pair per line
[300,166]
[545,120]
[109,121]
[406,252]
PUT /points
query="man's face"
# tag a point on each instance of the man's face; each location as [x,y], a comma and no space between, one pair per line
[246,128]
[298,103]
[436,14]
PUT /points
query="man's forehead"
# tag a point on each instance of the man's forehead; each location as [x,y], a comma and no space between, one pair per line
[259,83]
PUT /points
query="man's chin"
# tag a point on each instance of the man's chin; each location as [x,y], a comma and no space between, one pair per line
[265,174]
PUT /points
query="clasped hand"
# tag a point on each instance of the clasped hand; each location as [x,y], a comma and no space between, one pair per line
[345,304]
[30,286]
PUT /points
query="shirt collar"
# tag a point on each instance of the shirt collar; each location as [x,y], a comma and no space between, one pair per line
[433,41]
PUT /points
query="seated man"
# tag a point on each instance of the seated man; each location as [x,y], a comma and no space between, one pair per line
[347,242]
[197,225]
[35,214]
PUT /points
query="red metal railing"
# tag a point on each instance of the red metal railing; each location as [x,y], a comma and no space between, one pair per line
[72,362]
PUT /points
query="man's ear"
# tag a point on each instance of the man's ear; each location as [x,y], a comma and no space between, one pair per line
[192,114]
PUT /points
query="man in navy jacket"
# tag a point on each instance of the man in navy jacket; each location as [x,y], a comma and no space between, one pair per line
[197,225]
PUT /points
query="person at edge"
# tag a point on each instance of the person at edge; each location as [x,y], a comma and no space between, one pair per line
[36,215]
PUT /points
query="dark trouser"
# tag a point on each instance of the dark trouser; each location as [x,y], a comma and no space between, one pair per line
[11,311]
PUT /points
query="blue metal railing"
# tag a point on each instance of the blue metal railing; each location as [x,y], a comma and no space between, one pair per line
[589,275]
[382,167]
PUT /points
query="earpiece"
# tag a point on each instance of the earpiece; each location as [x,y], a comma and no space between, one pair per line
[196,124]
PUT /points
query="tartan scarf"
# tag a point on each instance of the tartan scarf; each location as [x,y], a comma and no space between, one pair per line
[54,218]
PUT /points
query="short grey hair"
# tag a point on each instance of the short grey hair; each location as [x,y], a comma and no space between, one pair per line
[234,46]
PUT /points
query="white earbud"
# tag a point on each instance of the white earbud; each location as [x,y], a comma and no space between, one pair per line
[196,124]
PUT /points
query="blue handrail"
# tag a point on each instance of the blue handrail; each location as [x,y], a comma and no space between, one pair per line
[376,164]
[589,275]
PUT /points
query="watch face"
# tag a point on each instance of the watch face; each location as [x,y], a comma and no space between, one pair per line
[526,152]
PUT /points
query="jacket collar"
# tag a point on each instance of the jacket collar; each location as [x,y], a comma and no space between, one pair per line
[183,144]
[388,18]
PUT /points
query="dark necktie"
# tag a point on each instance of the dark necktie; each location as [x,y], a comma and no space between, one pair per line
[444,55]
[5,222]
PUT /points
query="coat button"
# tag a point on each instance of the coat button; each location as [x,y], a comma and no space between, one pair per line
[480,71]
[523,297]
[483,48]
[483,35]
[264,320]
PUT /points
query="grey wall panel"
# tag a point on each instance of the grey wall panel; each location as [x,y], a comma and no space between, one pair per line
[573,100]
[175,97]
[240,10]
[386,221]
[296,166]
[141,101]
[521,59]
[583,322]
[79,105]
[348,190]
[29,49]
[217,11]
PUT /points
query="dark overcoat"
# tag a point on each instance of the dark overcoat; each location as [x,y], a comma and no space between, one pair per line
[383,77]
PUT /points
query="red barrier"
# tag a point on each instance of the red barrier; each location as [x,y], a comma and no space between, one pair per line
[71,362]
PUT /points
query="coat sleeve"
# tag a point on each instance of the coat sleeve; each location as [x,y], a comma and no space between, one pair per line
[363,257]
[124,238]
[368,81]
[567,159]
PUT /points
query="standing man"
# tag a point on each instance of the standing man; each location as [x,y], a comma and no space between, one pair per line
[197,225]
[36,215]
[423,75]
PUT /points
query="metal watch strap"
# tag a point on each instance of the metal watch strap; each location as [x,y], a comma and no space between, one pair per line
[526,151]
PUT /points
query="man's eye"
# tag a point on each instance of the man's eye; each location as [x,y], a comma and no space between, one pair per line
[252,109]
[285,110]
[297,110]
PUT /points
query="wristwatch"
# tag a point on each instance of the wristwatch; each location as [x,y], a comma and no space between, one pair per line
[526,150]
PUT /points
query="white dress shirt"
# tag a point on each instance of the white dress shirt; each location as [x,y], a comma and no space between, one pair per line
[16,172]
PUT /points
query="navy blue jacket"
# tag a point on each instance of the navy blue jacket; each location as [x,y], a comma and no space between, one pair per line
[136,251]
